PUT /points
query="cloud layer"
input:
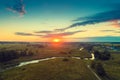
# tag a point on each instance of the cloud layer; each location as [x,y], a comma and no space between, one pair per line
[61,34]
[47,34]
[98,18]
[113,15]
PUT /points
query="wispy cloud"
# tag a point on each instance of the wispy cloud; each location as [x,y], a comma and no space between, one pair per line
[114,31]
[23,34]
[113,15]
[117,31]
[116,23]
[43,32]
[27,34]
[18,7]
[47,34]
[107,30]
[61,29]
[61,34]
[98,18]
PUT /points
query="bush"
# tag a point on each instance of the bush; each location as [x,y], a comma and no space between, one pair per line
[65,59]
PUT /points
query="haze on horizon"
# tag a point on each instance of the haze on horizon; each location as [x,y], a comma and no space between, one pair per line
[69,20]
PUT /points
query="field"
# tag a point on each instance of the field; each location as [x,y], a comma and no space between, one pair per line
[26,52]
[112,67]
[66,68]
[56,69]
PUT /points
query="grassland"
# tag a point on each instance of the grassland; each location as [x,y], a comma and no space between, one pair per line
[45,51]
[112,67]
[38,52]
[56,69]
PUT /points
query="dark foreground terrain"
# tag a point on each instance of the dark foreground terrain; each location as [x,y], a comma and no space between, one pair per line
[105,64]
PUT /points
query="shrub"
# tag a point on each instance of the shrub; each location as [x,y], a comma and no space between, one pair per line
[65,59]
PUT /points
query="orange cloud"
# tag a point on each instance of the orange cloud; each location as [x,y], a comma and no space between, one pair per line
[116,23]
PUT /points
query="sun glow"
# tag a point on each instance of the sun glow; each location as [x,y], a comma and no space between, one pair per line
[56,40]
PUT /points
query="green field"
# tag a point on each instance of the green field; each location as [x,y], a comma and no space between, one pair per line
[112,67]
[56,69]
[43,52]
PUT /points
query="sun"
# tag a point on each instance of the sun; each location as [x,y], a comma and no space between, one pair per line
[56,40]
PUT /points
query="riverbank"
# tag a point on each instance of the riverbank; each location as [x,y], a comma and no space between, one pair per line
[37,61]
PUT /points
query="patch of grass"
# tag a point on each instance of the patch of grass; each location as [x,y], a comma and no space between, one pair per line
[83,54]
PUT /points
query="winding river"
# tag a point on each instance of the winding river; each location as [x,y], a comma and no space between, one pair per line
[37,61]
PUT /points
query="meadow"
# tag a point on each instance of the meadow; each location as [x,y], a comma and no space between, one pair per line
[56,69]
[67,68]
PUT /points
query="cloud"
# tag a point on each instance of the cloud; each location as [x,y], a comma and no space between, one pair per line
[61,29]
[50,31]
[48,35]
[23,34]
[27,34]
[43,32]
[107,30]
[114,31]
[116,23]
[113,15]
[117,31]
[18,7]
[98,18]
[61,34]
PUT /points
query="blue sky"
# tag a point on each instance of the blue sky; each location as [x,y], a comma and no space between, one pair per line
[71,20]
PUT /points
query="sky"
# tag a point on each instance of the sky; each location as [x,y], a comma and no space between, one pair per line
[68,20]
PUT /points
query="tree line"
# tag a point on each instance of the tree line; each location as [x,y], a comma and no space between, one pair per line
[102,55]
[7,55]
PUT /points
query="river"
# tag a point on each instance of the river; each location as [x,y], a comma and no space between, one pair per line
[37,61]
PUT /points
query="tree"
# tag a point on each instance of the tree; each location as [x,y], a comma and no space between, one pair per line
[93,64]
[65,59]
[7,55]
[1,77]
[98,67]
[104,55]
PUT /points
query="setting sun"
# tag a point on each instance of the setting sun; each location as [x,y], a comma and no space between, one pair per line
[56,40]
